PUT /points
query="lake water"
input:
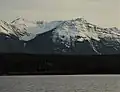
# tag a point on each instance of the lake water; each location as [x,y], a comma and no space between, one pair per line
[60,83]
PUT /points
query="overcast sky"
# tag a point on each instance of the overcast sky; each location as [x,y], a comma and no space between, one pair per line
[101,12]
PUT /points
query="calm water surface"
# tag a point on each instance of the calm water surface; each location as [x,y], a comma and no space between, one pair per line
[60,83]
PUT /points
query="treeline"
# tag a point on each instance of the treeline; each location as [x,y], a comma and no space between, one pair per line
[58,64]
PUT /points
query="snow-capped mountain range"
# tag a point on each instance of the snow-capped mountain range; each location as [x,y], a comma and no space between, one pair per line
[66,32]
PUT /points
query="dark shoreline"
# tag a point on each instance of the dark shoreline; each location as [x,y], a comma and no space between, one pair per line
[26,64]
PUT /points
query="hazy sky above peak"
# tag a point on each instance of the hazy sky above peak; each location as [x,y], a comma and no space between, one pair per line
[101,12]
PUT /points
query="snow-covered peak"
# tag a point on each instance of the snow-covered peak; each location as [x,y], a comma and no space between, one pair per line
[25,29]
[12,29]
[80,30]
[4,27]
[25,22]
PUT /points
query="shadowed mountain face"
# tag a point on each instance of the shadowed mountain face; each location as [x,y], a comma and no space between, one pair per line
[76,37]
[43,44]
[10,44]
